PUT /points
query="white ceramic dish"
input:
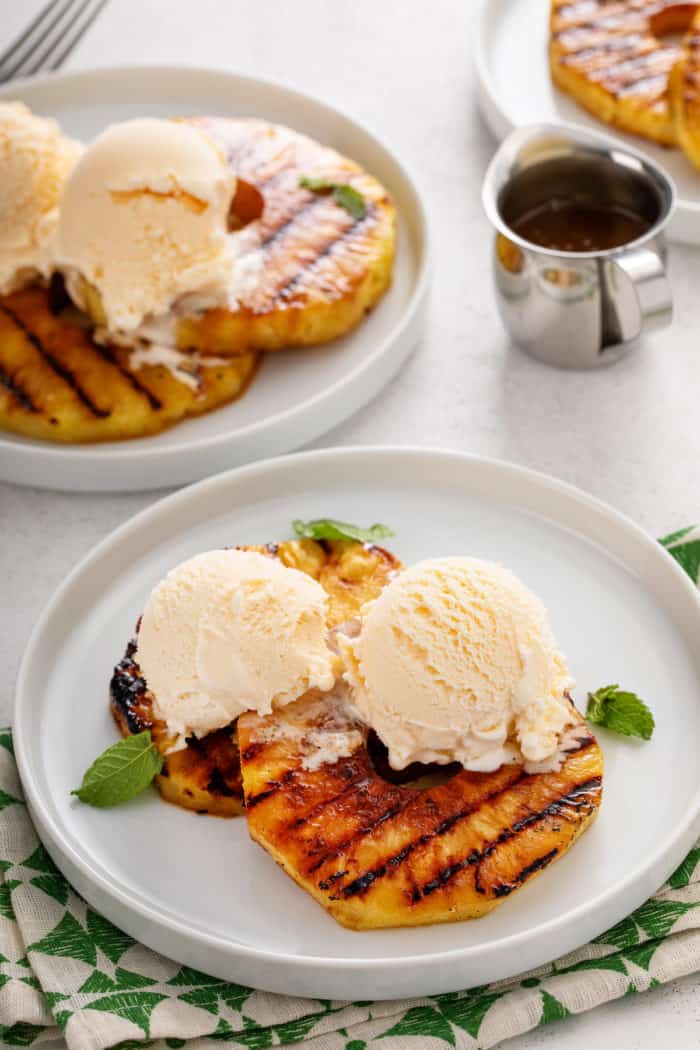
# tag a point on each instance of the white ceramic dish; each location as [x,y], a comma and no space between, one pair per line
[297,395]
[197,888]
[515,89]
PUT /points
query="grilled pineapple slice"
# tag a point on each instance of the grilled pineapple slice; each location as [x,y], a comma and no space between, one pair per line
[205,775]
[58,384]
[321,269]
[685,93]
[375,853]
[611,56]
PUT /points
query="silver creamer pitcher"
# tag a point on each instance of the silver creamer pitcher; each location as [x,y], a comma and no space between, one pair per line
[577,309]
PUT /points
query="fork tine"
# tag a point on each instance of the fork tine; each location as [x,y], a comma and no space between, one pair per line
[77,35]
[33,37]
[41,56]
[17,43]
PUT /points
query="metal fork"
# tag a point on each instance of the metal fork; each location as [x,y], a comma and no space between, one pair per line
[46,43]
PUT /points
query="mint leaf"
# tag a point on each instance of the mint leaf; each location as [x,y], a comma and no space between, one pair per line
[350,199]
[328,529]
[343,193]
[317,183]
[121,772]
[622,712]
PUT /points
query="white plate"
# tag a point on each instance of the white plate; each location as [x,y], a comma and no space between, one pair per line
[198,890]
[298,394]
[515,88]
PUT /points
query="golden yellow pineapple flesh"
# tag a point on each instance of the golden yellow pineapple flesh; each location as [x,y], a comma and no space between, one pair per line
[374,852]
[616,58]
[58,384]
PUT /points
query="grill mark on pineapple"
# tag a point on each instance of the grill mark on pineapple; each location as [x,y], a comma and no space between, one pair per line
[58,368]
[20,395]
[575,798]
[622,81]
[128,690]
[572,798]
[647,85]
[629,44]
[505,888]
[363,882]
[393,863]
[253,750]
[642,65]
[285,226]
[346,767]
[387,814]
[273,786]
[623,53]
[442,828]
[106,354]
[128,706]
[326,883]
[355,785]
[333,244]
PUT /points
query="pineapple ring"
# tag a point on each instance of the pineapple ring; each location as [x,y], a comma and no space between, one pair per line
[377,854]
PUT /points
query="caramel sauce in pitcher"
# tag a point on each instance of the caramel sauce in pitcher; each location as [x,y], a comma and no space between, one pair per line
[575,226]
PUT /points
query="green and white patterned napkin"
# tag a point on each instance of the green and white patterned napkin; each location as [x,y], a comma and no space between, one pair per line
[67,976]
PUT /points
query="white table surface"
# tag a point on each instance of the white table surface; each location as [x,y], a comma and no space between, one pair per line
[630,434]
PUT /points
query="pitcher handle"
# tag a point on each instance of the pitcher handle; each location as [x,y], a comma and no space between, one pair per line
[646,271]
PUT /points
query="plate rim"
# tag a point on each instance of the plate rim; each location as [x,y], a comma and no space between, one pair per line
[500,122]
[91,454]
[399,963]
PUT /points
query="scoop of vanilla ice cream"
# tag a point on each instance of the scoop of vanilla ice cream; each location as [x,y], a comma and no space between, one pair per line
[455,661]
[35,160]
[231,631]
[144,219]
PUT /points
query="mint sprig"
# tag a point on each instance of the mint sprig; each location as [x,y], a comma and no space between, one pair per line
[342,192]
[328,529]
[622,712]
[121,772]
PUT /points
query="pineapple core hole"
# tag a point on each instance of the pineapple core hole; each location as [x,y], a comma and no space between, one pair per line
[417,776]
[672,22]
